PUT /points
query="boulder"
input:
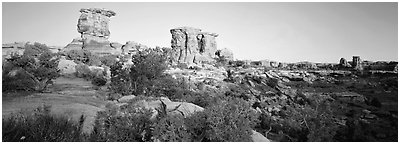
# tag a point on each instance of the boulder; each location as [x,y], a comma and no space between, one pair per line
[66,66]
[132,47]
[343,63]
[225,54]
[274,64]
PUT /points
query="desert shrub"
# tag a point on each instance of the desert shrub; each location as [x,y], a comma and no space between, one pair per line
[99,81]
[171,128]
[309,119]
[39,68]
[94,60]
[120,80]
[147,67]
[109,60]
[145,76]
[41,127]
[78,56]
[129,124]
[36,49]
[202,98]
[14,79]
[83,71]
[230,120]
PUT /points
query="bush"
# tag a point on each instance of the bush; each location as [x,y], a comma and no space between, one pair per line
[99,81]
[129,124]
[41,127]
[304,119]
[171,128]
[231,120]
[83,71]
[143,77]
[35,50]
[78,56]
[109,60]
[94,60]
[14,79]
[40,68]
[120,80]
[148,66]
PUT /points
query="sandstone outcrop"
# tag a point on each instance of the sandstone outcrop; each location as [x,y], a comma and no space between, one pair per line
[93,25]
[357,63]
[193,45]
[343,63]
[76,44]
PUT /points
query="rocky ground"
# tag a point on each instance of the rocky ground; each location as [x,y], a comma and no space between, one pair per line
[371,96]
[360,92]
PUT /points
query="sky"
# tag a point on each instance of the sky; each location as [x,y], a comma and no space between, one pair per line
[285,32]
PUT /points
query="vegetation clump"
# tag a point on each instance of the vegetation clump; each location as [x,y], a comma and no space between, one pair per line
[34,70]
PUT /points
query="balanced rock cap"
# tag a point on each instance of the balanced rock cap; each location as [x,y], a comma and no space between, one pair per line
[102,11]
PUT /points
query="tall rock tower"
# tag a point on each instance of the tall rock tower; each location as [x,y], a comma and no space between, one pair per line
[93,25]
[357,63]
[191,45]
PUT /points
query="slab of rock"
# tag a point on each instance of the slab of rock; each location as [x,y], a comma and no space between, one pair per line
[125,99]
[257,137]
[182,108]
